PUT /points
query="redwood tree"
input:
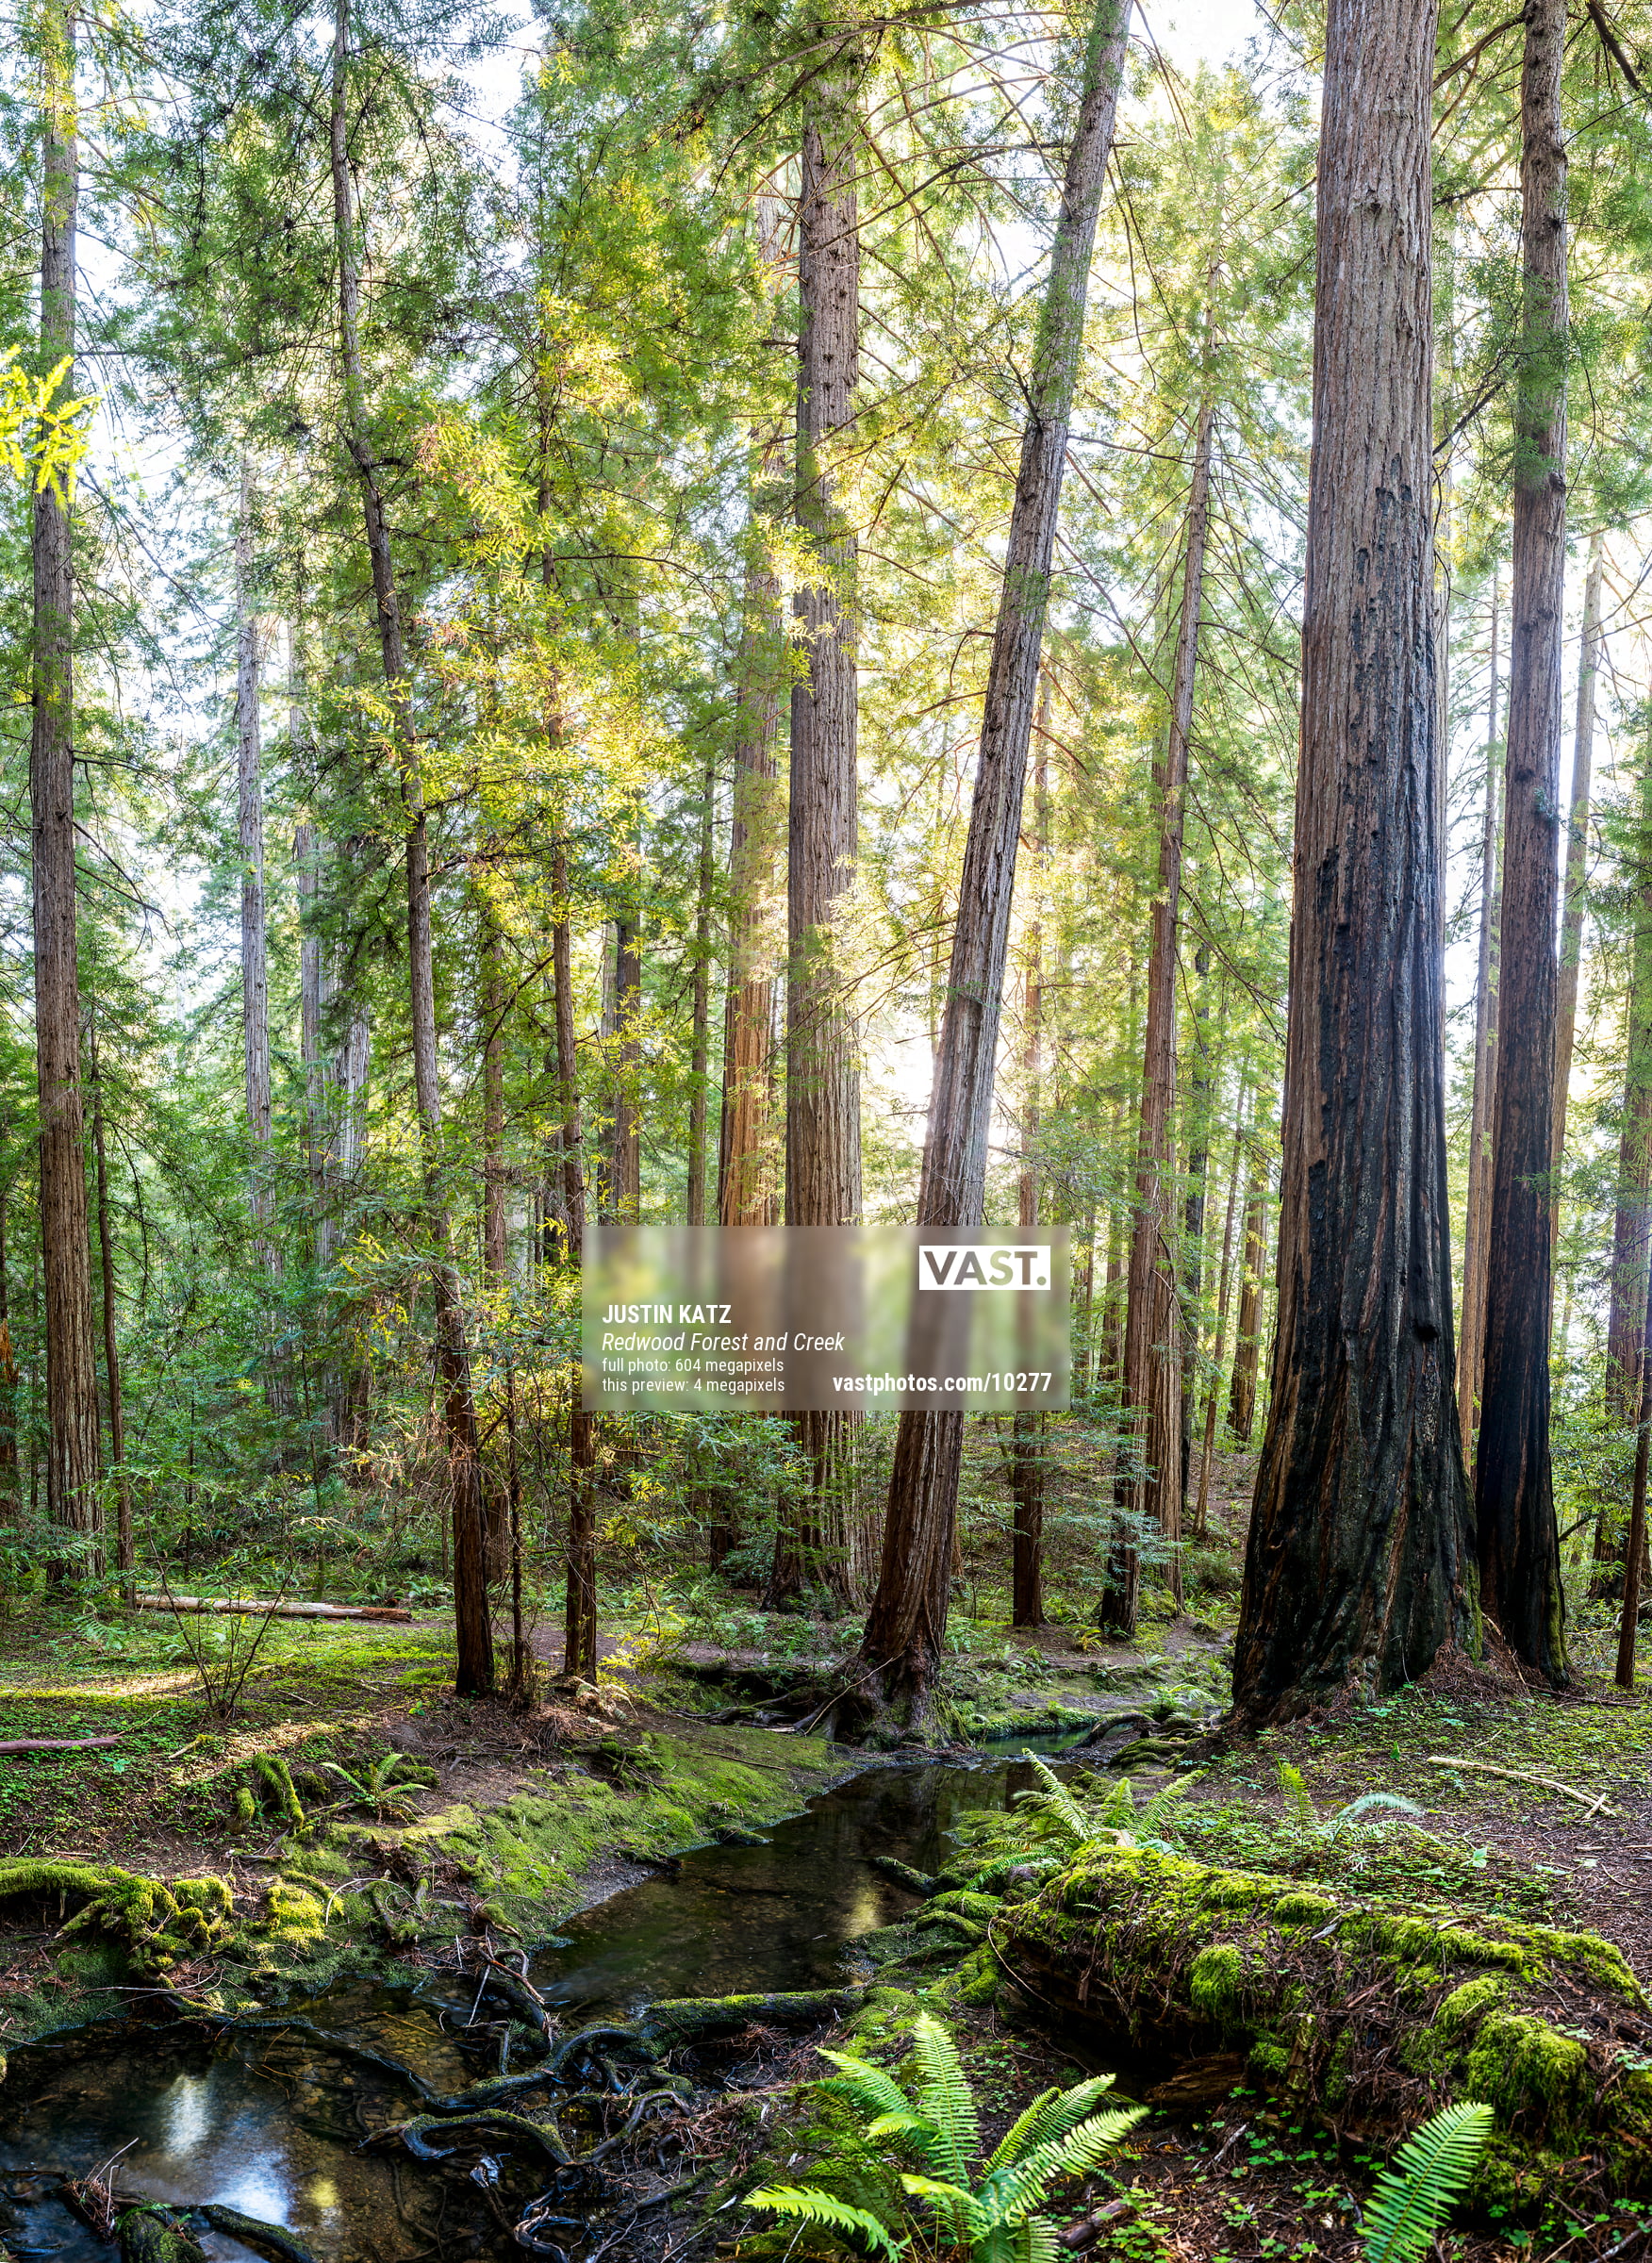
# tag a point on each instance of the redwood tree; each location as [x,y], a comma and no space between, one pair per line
[822,1075]
[908,1616]
[1519,1540]
[73,1447]
[1360,1563]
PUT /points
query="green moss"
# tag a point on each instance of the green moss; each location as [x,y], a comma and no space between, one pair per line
[1466,2007]
[1215,1979]
[1520,2064]
[1298,1907]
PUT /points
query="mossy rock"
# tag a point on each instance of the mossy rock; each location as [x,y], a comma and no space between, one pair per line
[1368,2018]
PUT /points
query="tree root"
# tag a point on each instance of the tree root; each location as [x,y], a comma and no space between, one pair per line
[413,2133]
[271,2239]
[678,2020]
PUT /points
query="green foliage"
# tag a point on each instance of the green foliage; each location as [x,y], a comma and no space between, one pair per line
[992,2208]
[1430,2171]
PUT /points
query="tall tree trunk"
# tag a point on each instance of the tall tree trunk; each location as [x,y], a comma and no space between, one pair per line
[625,1159]
[73,1448]
[822,1084]
[250,836]
[124,1557]
[491,1003]
[312,1003]
[1472,1350]
[1360,1564]
[1149,1491]
[566,1060]
[1633,1215]
[746,1167]
[473,1631]
[1577,857]
[1027,1431]
[1225,1282]
[1247,1329]
[700,1043]
[10,1502]
[908,1616]
[1200,1087]
[1519,1540]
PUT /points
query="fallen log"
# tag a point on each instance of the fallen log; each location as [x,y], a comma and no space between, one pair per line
[9,1744]
[1364,2017]
[676,2020]
[253,1607]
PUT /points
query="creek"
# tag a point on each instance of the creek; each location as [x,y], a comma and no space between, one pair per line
[270,2122]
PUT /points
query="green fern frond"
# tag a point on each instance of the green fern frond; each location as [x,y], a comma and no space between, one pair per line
[1295,1786]
[1120,1812]
[1022,2189]
[1036,2242]
[1165,1798]
[904,2123]
[867,2087]
[943,2092]
[1047,2119]
[1053,1799]
[1364,1804]
[969,2219]
[1430,2171]
[815,2207]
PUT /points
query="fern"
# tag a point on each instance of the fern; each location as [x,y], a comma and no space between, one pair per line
[1430,2170]
[1295,1786]
[1368,1803]
[1048,2118]
[1055,1801]
[815,2207]
[996,2218]
[944,2096]
[1164,1799]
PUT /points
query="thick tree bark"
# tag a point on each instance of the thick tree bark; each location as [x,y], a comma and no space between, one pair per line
[823,1083]
[1202,1082]
[699,1048]
[1150,1494]
[1519,1540]
[473,1631]
[124,1557]
[1472,1346]
[1577,857]
[73,1448]
[908,1616]
[1361,1558]
[1635,1539]
[746,1167]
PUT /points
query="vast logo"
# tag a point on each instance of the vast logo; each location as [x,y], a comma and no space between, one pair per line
[983,1266]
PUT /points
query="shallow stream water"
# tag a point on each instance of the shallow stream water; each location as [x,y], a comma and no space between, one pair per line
[267,2122]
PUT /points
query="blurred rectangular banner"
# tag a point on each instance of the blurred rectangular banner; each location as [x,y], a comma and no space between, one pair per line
[778,1319]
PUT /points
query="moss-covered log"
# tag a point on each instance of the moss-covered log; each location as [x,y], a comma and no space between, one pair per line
[157,1926]
[152,2235]
[1365,2018]
[698,2019]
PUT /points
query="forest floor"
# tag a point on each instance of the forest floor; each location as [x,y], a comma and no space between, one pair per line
[1531,1805]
